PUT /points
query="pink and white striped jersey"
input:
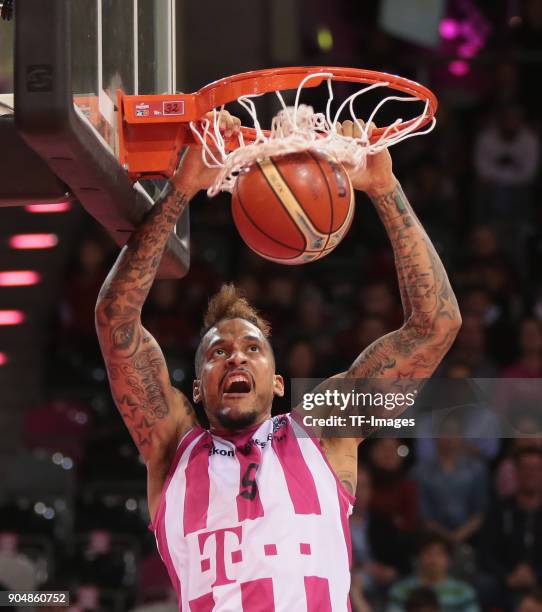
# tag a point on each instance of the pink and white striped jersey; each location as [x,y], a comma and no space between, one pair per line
[256,522]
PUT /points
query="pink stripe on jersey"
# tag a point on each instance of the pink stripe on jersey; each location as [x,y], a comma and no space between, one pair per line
[299,479]
[345,500]
[186,440]
[257,595]
[163,548]
[317,591]
[196,499]
[309,434]
[205,603]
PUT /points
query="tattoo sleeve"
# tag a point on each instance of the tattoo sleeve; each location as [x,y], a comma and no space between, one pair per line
[432,316]
[136,366]
[130,279]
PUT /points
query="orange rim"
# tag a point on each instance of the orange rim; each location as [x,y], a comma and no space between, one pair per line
[165,118]
[256,82]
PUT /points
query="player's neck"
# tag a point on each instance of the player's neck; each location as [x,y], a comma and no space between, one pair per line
[227,432]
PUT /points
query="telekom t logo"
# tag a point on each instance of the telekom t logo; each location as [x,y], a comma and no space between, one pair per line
[220,553]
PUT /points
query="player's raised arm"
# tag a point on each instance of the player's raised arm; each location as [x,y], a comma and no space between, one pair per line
[138,375]
[432,317]
[155,413]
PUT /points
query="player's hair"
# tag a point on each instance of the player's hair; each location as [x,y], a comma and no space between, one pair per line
[229,303]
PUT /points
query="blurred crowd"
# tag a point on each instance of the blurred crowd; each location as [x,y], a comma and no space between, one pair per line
[450,524]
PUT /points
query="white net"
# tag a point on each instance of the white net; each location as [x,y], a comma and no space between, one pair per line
[298,128]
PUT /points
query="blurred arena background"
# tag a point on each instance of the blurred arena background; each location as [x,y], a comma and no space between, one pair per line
[72,488]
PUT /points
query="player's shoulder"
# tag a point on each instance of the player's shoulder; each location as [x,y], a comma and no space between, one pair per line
[183,411]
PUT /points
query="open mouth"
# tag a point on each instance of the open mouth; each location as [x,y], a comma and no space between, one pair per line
[238,383]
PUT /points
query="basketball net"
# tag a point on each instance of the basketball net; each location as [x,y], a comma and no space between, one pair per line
[298,128]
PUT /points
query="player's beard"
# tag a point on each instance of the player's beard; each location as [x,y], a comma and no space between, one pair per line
[238,422]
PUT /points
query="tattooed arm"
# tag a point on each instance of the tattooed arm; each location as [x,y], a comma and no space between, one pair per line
[155,413]
[432,319]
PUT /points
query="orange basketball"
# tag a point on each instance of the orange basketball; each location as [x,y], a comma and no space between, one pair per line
[295,208]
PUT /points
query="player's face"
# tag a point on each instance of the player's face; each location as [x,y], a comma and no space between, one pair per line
[237,380]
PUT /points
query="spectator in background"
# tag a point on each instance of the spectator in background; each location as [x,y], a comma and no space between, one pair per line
[449,146]
[363,332]
[506,151]
[377,299]
[480,427]
[301,365]
[492,314]
[517,393]
[484,250]
[84,280]
[394,493]
[357,599]
[379,554]
[511,547]
[204,277]
[432,571]
[479,302]
[422,599]
[506,474]
[452,489]
[166,321]
[313,320]
[531,602]
[505,86]
[506,159]
[279,297]
[300,360]
[470,348]
[529,364]
[433,197]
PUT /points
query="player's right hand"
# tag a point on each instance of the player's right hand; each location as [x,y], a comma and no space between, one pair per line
[193,174]
[377,176]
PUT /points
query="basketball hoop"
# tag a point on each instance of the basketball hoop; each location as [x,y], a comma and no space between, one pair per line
[295,128]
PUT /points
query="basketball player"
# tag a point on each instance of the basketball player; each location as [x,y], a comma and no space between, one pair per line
[248,515]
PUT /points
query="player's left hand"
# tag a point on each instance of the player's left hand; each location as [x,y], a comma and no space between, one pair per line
[377,177]
[193,174]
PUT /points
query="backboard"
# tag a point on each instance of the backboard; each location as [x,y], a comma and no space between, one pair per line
[126,44]
[70,60]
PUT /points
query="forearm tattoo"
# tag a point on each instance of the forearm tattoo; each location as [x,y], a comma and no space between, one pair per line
[431,310]
[135,363]
[135,269]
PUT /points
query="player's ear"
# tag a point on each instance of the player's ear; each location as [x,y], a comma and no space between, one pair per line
[196,391]
[278,385]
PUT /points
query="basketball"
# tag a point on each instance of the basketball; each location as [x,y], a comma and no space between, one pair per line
[293,209]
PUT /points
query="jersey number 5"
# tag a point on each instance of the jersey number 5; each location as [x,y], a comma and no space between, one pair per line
[249,482]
